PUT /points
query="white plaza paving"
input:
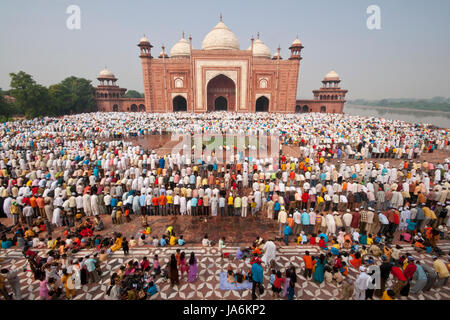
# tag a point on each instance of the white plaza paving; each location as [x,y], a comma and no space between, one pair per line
[210,265]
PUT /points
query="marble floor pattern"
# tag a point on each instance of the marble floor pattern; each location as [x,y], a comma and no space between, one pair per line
[210,264]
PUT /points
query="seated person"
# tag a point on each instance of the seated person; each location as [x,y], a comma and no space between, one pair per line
[99,226]
[133,242]
[163,242]
[173,239]
[322,244]
[152,289]
[328,275]
[240,276]
[141,240]
[230,276]
[206,242]
[337,275]
[344,269]
[181,241]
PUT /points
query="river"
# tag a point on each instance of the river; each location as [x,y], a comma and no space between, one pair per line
[437,118]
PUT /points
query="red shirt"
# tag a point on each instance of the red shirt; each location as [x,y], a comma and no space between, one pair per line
[278,282]
[398,274]
[410,270]
[305,197]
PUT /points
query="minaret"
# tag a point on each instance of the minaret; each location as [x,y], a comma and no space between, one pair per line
[296,50]
[146,58]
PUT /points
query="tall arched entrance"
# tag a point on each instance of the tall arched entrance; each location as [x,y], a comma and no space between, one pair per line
[115,108]
[221,94]
[305,109]
[134,108]
[141,107]
[262,104]
[323,109]
[179,104]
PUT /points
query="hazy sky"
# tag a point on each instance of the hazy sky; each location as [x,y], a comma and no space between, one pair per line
[408,57]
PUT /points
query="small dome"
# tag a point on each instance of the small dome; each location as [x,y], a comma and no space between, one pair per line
[163,54]
[220,38]
[144,39]
[105,73]
[332,76]
[276,55]
[181,49]
[260,49]
[296,42]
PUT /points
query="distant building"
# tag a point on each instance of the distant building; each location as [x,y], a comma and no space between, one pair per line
[220,76]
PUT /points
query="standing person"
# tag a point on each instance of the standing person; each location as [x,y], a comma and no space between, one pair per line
[319,272]
[257,278]
[173,270]
[125,246]
[43,288]
[409,274]
[307,259]
[3,290]
[68,284]
[400,279]
[385,271]
[420,279]
[92,269]
[14,282]
[442,272]
[282,219]
[287,231]
[361,284]
[431,276]
[270,251]
[183,264]
[192,273]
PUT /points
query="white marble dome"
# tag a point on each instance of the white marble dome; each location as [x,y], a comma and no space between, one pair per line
[144,39]
[332,75]
[296,42]
[220,38]
[181,49]
[260,50]
[276,55]
[105,73]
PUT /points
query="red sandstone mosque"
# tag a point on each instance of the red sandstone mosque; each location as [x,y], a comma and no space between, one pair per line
[220,76]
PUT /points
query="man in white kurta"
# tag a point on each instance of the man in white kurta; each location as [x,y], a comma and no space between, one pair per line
[270,251]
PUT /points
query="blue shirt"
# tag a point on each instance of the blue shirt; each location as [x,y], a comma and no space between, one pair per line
[192,179]
[181,242]
[90,264]
[257,273]
[152,290]
[277,206]
[287,230]
[162,163]
[162,242]
[194,202]
[420,273]
[113,202]
[305,218]
[142,200]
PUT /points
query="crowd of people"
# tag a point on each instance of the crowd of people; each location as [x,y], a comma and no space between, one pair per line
[352,180]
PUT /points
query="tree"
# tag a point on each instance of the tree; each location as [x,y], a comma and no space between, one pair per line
[133,94]
[32,99]
[6,108]
[73,95]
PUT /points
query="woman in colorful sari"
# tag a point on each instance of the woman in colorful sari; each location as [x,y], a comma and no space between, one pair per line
[319,272]
[192,273]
